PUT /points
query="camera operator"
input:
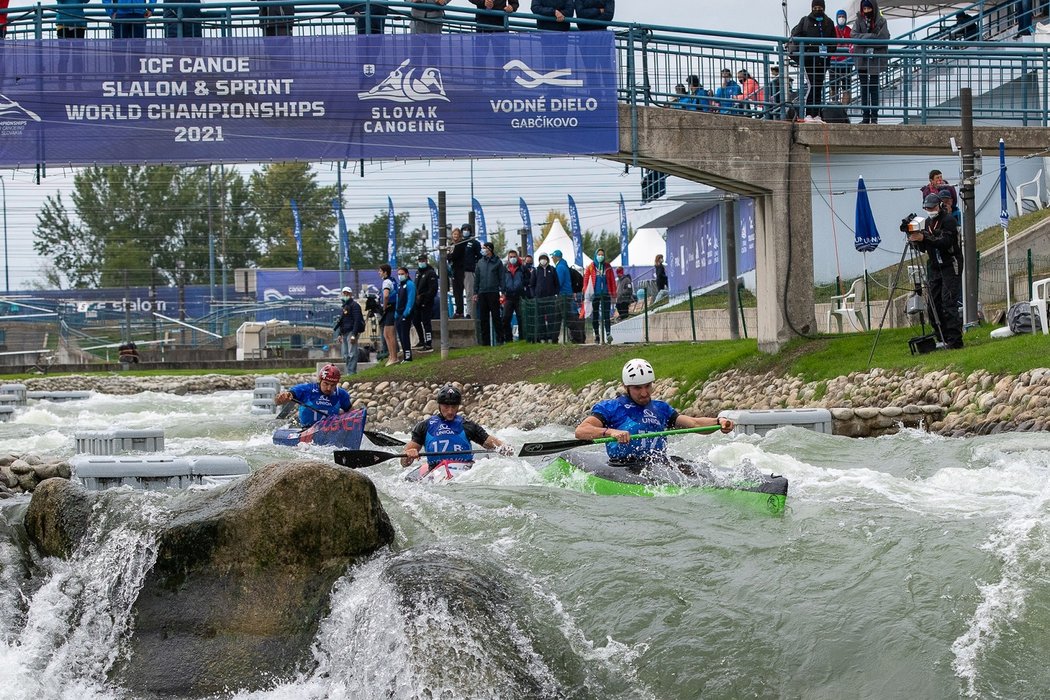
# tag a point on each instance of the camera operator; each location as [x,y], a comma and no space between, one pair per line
[938,237]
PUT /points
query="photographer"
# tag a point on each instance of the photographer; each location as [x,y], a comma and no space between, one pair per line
[938,237]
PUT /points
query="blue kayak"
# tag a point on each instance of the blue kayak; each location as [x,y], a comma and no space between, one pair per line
[343,431]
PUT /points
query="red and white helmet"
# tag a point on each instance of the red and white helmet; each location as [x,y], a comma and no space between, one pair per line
[638,372]
[329,373]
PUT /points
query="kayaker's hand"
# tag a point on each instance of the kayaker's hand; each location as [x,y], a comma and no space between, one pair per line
[622,436]
[505,450]
[726,425]
[411,455]
[283,398]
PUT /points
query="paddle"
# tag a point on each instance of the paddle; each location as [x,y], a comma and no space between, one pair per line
[292,402]
[384,440]
[359,459]
[535,449]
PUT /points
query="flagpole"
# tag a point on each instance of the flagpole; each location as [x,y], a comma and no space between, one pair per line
[1004,216]
[867,295]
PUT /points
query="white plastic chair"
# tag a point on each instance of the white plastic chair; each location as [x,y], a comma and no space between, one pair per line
[844,306]
[1034,203]
[1040,294]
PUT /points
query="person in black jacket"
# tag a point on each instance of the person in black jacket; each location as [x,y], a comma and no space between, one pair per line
[375,20]
[348,326]
[488,282]
[494,20]
[815,25]
[466,251]
[545,290]
[426,292]
[559,13]
[939,239]
[598,10]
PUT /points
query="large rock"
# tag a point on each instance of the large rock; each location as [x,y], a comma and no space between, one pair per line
[242,577]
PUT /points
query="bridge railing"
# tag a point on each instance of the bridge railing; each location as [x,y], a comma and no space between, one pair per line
[920,83]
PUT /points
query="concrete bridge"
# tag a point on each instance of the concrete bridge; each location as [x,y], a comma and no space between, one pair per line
[770,161]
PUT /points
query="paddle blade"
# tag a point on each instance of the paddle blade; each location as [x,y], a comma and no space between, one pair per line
[535,449]
[286,410]
[359,459]
[383,440]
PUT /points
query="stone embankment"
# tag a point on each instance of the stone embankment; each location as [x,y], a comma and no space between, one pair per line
[862,403]
[20,473]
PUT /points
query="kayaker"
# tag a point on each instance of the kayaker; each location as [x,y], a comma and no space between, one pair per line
[447,431]
[325,395]
[638,412]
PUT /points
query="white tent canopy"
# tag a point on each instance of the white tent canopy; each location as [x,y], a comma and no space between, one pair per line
[643,248]
[558,239]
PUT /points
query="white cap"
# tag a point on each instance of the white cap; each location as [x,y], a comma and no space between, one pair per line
[347,290]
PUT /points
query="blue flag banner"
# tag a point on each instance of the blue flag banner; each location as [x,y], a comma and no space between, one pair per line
[435,223]
[254,99]
[479,218]
[344,235]
[526,222]
[298,233]
[745,240]
[391,234]
[624,260]
[577,234]
[1004,211]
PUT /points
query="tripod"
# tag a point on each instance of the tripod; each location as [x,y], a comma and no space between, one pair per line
[920,290]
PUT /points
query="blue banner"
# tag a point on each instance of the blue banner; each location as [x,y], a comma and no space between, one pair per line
[435,224]
[624,234]
[1004,211]
[254,99]
[577,234]
[298,233]
[479,219]
[745,240]
[391,234]
[697,262]
[344,235]
[526,221]
[287,285]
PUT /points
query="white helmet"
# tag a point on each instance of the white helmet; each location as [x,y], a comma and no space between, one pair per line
[638,372]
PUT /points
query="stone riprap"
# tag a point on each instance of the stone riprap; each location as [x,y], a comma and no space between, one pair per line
[20,473]
[862,403]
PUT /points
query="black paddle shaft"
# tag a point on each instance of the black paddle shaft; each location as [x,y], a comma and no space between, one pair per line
[359,459]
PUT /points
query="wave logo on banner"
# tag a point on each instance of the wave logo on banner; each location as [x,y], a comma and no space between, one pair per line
[9,108]
[479,214]
[405,86]
[623,234]
[344,235]
[435,223]
[391,238]
[298,233]
[577,235]
[526,221]
[558,77]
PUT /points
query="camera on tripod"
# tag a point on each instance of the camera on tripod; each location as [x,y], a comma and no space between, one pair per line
[912,226]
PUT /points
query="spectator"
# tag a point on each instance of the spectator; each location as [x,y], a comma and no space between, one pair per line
[495,20]
[597,10]
[751,96]
[681,100]
[471,254]
[70,22]
[545,289]
[871,60]
[726,93]
[530,272]
[369,18]
[1023,12]
[128,352]
[183,22]
[938,183]
[965,28]
[276,20]
[660,275]
[815,25]
[386,321]
[698,93]
[837,114]
[600,282]
[840,66]
[624,293]
[776,94]
[561,269]
[557,14]
[427,20]
[456,262]
[426,293]
[404,308]
[349,325]
[3,18]
[129,17]
[513,290]
[488,281]
[939,239]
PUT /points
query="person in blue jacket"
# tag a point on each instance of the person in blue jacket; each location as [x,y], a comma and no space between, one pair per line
[320,399]
[129,17]
[403,311]
[635,412]
[447,431]
[599,10]
[556,14]
[561,269]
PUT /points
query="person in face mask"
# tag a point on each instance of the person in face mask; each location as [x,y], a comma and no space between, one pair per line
[939,239]
[348,326]
[488,282]
[545,290]
[513,291]
[599,287]
[406,302]
[814,56]
[840,66]
[871,60]
[426,293]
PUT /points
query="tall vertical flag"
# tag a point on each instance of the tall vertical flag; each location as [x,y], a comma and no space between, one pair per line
[526,221]
[435,224]
[391,237]
[577,235]
[1004,214]
[298,233]
[479,216]
[624,260]
[344,235]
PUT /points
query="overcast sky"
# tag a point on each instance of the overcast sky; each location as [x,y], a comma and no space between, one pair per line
[595,184]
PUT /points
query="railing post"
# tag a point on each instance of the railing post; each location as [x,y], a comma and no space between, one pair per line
[1031,272]
[646,86]
[645,311]
[692,317]
[740,305]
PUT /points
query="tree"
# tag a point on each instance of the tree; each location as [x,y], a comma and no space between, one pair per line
[368,244]
[270,193]
[609,242]
[553,215]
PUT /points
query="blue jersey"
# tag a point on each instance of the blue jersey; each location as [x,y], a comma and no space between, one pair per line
[623,414]
[436,434]
[310,394]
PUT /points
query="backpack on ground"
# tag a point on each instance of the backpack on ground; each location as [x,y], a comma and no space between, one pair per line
[1019,318]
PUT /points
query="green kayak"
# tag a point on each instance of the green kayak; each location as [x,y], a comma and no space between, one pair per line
[591,472]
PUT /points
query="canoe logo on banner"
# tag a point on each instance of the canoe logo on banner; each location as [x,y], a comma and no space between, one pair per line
[405,86]
[560,77]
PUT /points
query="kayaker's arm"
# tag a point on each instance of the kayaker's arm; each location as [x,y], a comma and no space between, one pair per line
[591,429]
[682,421]
[411,453]
[494,443]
